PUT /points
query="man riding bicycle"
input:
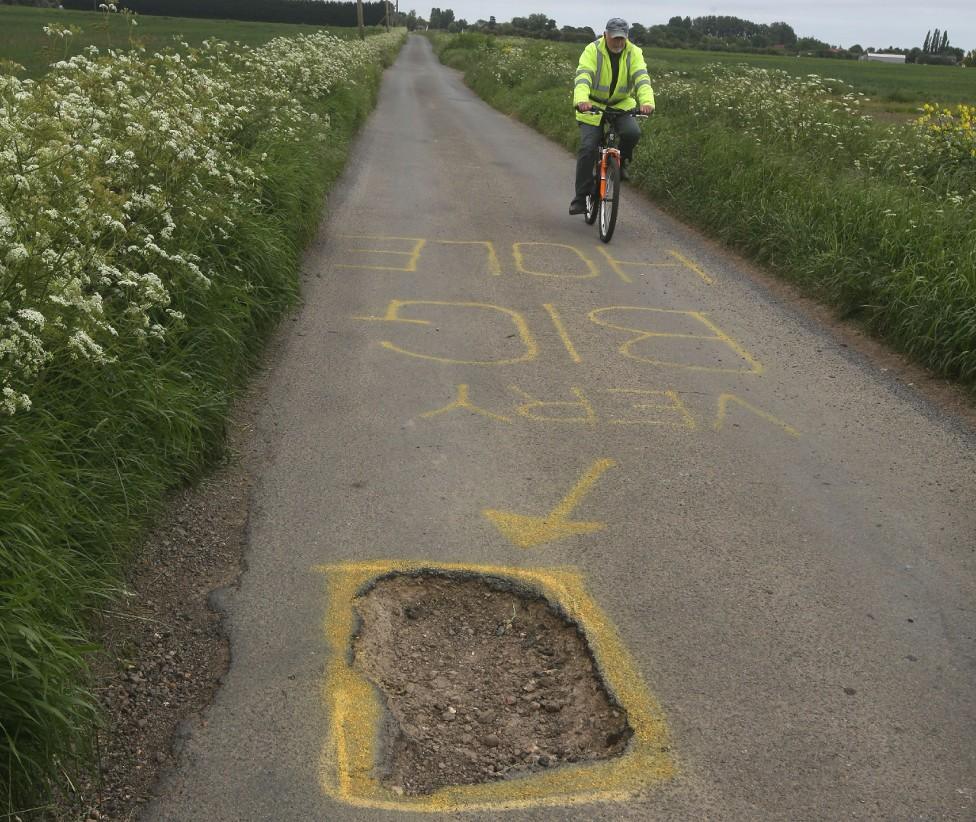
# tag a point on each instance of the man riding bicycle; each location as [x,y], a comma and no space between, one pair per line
[611,72]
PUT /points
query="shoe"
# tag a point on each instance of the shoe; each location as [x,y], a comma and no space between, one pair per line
[625,171]
[577,207]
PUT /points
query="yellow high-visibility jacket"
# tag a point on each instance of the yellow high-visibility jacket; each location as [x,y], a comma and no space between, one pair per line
[593,77]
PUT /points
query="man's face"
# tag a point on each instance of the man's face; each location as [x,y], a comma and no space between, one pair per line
[615,44]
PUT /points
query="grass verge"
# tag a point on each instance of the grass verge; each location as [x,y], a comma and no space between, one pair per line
[86,468]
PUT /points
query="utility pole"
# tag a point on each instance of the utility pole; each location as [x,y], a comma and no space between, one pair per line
[359,19]
[387,15]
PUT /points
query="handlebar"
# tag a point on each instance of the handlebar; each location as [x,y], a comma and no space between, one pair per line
[615,112]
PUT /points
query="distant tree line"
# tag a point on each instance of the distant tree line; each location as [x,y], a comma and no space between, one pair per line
[312,12]
[937,43]
[729,30]
[716,33]
[537,25]
[935,51]
[709,33]
[441,19]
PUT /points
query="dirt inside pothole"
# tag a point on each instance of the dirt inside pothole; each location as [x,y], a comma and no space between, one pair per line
[482,679]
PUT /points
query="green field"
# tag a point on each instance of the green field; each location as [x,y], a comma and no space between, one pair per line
[892,87]
[23,41]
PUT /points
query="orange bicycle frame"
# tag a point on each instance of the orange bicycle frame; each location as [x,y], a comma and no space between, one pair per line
[603,168]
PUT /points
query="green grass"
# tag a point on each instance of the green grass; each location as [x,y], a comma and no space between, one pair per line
[23,41]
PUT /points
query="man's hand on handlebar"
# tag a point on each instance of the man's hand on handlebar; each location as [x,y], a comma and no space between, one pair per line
[588,106]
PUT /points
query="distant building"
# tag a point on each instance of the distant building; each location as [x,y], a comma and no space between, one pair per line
[883,58]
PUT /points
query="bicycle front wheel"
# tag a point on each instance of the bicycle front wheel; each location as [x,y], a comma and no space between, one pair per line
[593,200]
[610,201]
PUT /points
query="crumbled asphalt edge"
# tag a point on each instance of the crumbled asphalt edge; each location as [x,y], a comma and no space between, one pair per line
[518,588]
[164,645]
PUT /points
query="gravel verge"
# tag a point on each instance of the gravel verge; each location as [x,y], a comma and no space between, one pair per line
[164,650]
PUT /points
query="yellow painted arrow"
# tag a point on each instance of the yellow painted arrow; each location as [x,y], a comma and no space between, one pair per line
[530,532]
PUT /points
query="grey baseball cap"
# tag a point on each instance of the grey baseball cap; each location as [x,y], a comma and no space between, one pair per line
[617,27]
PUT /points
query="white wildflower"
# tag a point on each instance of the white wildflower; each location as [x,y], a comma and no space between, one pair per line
[32,317]
[17,254]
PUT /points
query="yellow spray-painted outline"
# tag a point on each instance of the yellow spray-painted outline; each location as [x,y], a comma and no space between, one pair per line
[557,321]
[617,265]
[520,263]
[723,404]
[582,401]
[494,267]
[350,755]
[464,401]
[412,256]
[689,264]
[530,532]
[718,335]
[393,316]
[677,406]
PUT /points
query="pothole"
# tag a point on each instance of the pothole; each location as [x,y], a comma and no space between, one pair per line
[483,680]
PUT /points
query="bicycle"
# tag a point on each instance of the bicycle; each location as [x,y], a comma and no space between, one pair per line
[605,199]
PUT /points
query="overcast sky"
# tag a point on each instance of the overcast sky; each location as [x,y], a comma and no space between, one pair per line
[876,23]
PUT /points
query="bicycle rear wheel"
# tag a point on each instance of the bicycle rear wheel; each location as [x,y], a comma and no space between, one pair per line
[610,201]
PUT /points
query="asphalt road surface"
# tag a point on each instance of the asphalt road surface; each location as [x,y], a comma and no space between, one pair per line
[774,535]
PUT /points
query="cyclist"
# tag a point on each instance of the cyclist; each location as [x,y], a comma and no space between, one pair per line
[611,72]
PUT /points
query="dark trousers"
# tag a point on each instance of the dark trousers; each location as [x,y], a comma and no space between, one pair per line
[630,134]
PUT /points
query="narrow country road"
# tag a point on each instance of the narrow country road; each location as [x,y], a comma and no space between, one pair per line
[772,541]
